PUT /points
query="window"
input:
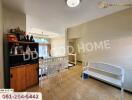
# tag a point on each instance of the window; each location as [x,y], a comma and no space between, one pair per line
[41,40]
[43,47]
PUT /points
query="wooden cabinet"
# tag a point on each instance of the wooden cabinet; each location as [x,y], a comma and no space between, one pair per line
[18,72]
[31,75]
[24,76]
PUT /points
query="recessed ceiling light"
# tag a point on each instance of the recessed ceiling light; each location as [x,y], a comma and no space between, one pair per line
[73,3]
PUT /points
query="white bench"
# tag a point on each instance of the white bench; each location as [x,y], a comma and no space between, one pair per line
[111,74]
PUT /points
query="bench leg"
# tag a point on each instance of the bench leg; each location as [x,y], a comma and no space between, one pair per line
[122,93]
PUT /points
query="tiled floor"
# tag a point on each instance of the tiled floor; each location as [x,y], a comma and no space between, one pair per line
[72,87]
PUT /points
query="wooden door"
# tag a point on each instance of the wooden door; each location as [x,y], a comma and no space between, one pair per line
[18,78]
[35,72]
[31,75]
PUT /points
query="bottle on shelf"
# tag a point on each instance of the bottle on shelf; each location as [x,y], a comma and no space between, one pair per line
[31,38]
[27,38]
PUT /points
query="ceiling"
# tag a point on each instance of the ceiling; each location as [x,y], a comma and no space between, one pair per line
[55,16]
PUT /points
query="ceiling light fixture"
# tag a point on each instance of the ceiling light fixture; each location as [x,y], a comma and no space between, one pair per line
[73,3]
[104,4]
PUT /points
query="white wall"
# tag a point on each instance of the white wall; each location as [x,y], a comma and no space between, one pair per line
[117,28]
[8,19]
[58,46]
[1,48]
[13,19]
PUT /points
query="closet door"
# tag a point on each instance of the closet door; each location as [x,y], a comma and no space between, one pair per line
[31,75]
[35,71]
[18,78]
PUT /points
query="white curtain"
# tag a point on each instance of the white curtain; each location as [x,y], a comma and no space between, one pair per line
[43,51]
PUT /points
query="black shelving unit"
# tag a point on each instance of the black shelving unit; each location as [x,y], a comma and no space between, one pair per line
[12,60]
